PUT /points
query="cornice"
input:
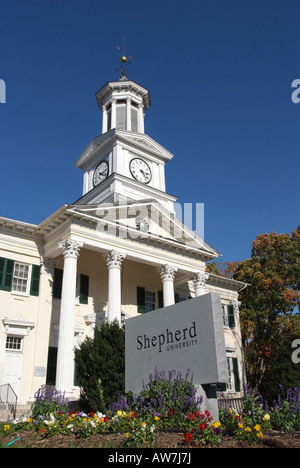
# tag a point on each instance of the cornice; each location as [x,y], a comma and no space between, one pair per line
[127,85]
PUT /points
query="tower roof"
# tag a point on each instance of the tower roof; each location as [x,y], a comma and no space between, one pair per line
[122,85]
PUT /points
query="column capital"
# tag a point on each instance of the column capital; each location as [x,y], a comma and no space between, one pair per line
[200,279]
[167,272]
[114,259]
[236,306]
[47,266]
[70,248]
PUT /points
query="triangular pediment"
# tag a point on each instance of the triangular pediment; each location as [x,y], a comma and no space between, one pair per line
[145,221]
[138,141]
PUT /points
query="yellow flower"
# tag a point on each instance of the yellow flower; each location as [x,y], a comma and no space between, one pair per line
[240,425]
[260,435]
[230,410]
[266,417]
[216,424]
[29,420]
[127,435]
[6,427]
[156,418]
[247,429]
[119,413]
[257,427]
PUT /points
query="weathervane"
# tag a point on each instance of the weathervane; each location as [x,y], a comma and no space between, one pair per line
[125,61]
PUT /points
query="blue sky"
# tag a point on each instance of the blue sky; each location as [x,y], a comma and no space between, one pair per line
[219,73]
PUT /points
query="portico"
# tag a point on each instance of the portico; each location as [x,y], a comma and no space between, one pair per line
[116,267]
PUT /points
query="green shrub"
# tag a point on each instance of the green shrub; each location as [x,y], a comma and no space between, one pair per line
[101,367]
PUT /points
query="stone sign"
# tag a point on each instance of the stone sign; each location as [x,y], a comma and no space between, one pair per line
[187,335]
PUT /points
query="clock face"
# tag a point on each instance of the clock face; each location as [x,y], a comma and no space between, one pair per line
[101,172]
[140,170]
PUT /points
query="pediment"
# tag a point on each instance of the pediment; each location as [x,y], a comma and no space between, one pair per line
[137,141]
[144,221]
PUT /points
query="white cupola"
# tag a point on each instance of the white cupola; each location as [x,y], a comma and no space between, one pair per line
[123,104]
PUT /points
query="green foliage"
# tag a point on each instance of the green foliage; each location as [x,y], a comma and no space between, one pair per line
[47,401]
[175,392]
[270,309]
[101,367]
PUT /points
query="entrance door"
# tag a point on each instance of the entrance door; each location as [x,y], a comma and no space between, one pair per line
[13,364]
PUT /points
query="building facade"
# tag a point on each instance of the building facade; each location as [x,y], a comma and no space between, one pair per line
[116,252]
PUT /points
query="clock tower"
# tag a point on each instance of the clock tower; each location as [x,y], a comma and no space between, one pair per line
[123,163]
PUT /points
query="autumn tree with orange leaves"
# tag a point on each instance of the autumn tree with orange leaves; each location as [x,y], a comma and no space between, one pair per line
[269,317]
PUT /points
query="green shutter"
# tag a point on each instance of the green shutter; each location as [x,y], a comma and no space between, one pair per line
[160,299]
[231,319]
[84,289]
[2,270]
[76,381]
[35,280]
[141,298]
[57,283]
[6,274]
[51,366]
[236,375]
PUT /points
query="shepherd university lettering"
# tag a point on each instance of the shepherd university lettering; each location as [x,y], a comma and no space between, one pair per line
[171,339]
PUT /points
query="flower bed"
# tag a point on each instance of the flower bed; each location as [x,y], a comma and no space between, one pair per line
[140,428]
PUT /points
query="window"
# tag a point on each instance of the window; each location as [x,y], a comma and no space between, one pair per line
[228,316]
[230,383]
[233,384]
[121,114]
[19,277]
[13,343]
[20,280]
[82,288]
[149,301]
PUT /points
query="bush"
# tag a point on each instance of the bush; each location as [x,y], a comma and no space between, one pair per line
[101,367]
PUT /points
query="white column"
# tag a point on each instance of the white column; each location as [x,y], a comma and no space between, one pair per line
[167,274]
[141,126]
[113,113]
[128,113]
[65,352]
[200,282]
[114,262]
[104,120]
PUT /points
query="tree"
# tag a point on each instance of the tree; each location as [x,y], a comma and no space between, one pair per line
[269,313]
[101,367]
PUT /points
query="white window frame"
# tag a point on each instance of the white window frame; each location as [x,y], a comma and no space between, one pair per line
[230,388]
[225,315]
[150,291]
[15,277]
[14,337]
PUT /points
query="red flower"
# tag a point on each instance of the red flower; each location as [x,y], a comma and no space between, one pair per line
[91,414]
[191,416]
[188,437]
[203,426]
[105,419]
[171,412]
